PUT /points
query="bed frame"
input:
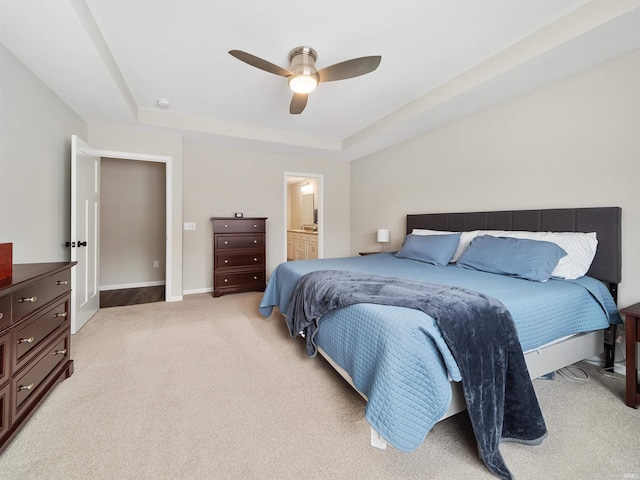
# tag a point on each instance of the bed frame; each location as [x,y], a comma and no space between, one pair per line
[606,267]
[605,221]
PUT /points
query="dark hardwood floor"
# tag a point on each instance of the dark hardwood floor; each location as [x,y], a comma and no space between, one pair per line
[131,296]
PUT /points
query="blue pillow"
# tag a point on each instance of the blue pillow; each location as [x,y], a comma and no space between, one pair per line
[434,249]
[518,257]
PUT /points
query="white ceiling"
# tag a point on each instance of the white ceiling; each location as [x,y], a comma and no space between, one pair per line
[111,60]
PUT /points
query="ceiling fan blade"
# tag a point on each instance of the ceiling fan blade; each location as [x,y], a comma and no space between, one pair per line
[298,102]
[260,63]
[349,68]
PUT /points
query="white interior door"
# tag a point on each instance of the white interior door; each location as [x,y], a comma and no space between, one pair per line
[85,221]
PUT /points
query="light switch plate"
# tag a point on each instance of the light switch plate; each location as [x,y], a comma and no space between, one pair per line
[189,226]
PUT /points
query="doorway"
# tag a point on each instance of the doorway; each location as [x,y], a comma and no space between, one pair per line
[85,226]
[303,215]
[132,232]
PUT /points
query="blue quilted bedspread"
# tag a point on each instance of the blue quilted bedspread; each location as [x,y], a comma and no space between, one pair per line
[397,357]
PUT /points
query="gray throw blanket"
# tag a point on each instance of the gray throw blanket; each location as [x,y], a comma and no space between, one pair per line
[478,330]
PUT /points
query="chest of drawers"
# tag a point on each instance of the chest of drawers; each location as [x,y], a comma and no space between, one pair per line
[238,254]
[35,342]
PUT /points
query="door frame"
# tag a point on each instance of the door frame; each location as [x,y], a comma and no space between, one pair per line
[168,161]
[320,178]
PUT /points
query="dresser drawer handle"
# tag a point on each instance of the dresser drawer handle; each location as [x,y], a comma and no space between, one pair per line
[255,226]
[225,226]
[62,282]
[255,241]
[226,280]
[255,259]
[25,387]
[226,243]
[1,314]
[255,278]
[60,352]
[226,261]
[63,314]
[28,299]
[26,340]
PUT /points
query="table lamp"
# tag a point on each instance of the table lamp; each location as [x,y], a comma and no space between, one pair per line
[383,236]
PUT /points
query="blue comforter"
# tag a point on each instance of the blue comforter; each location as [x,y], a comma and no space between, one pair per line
[397,357]
[479,331]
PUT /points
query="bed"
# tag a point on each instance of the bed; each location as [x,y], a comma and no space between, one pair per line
[396,357]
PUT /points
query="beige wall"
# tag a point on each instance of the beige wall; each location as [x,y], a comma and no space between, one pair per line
[35,176]
[574,143]
[132,223]
[147,142]
[220,181]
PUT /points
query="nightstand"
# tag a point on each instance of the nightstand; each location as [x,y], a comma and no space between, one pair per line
[632,327]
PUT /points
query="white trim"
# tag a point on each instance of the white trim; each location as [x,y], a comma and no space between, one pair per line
[168,161]
[198,290]
[122,286]
[143,157]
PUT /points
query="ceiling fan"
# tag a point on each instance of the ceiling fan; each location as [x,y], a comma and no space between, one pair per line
[303,75]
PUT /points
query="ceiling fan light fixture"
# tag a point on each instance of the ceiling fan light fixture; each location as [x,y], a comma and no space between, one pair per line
[304,77]
[303,83]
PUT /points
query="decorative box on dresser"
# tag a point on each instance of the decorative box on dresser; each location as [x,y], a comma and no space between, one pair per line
[238,254]
[35,342]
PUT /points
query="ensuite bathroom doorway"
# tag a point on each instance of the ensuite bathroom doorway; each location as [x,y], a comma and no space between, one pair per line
[304,228]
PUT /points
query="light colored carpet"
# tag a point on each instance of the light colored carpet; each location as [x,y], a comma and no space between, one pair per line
[208,389]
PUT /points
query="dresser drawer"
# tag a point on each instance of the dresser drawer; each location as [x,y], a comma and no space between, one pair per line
[245,225]
[34,332]
[5,357]
[225,242]
[242,278]
[30,383]
[240,260]
[30,298]
[4,410]
[5,311]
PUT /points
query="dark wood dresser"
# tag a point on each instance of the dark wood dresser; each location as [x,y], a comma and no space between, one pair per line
[238,254]
[35,342]
[632,334]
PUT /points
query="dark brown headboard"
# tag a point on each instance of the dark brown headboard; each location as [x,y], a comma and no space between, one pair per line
[605,221]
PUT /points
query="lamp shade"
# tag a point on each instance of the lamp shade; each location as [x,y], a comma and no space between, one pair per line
[383,235]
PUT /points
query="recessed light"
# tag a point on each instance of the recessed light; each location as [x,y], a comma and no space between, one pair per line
[163,103]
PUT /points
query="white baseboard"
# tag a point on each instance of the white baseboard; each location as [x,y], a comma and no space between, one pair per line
[197,290]
[157,283]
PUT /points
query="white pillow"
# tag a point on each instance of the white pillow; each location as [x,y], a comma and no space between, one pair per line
[423,231]
[580,247]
